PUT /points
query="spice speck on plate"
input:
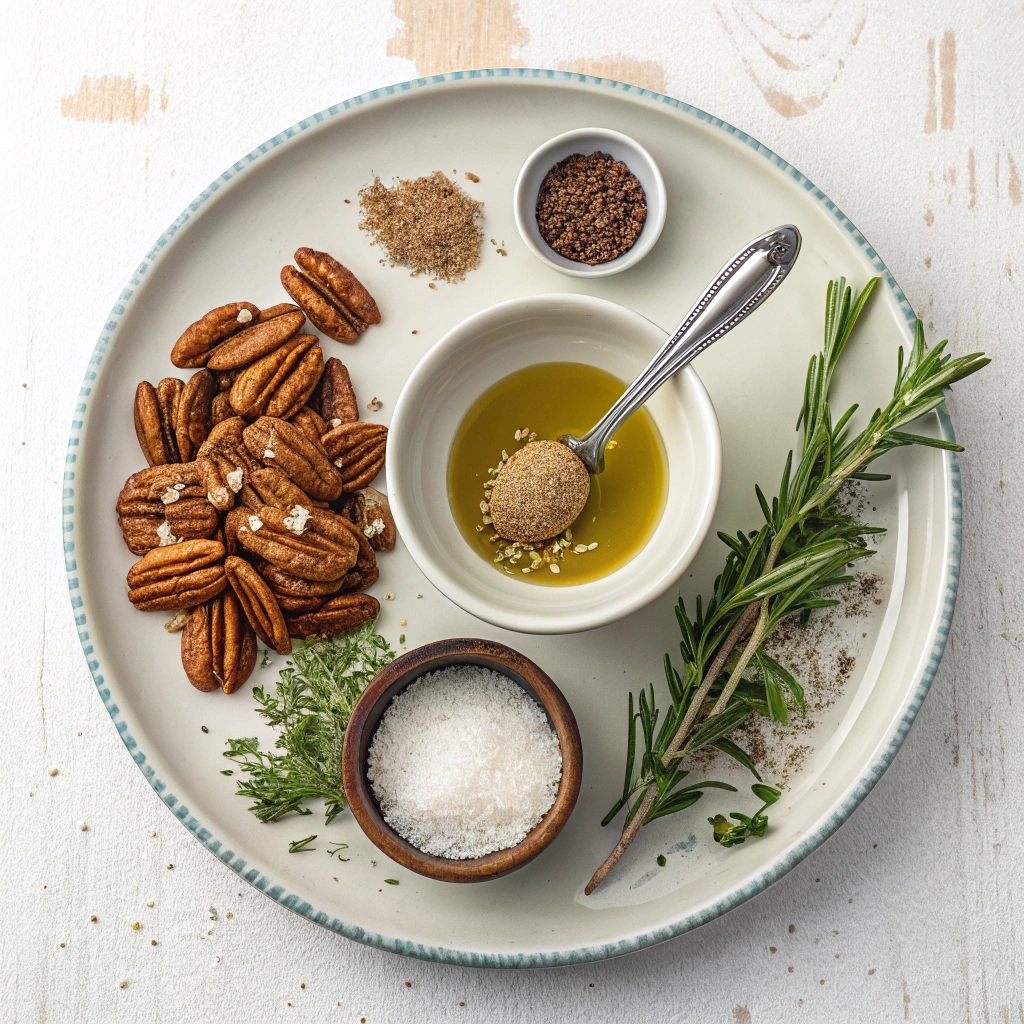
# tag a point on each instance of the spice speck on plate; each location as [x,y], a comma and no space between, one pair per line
[464,763]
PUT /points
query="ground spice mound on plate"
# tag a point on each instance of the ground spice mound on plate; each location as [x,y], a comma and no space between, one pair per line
[591,209]
[427,224]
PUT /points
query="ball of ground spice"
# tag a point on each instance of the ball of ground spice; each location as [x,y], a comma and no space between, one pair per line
[539,492]
[591,208]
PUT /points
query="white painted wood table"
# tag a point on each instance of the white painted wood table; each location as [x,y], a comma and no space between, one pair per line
[116,115]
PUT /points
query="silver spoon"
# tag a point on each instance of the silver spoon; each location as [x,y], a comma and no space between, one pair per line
[738,289]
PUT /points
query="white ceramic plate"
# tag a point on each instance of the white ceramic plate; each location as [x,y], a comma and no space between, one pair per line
[724,188]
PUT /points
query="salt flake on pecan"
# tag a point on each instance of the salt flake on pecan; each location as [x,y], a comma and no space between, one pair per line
[163,531]
[296,522]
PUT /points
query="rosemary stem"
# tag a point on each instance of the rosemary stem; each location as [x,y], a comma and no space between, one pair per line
[628,835]
[762,621]
[756,609]
[734,637]
[637,821]
[736,674]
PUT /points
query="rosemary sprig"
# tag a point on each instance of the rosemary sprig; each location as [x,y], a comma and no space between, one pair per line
[310,705]
[807,543]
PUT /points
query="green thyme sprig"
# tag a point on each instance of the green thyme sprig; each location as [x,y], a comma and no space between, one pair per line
[785,568]
[311,704]
[733,835]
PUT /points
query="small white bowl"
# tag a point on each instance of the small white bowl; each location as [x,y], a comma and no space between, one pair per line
[481,351]
[587,141]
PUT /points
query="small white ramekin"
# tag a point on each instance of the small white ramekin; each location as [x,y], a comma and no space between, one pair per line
[476,354]
[587,141]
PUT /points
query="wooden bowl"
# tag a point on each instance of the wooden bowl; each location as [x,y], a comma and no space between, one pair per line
[367,715]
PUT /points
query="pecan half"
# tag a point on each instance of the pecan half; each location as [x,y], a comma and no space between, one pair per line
[224,463]
[185,519]
[220,408]
[295,594]
[341,613]
[156,416]
[331,295]
[149,491]
[267,331]
[311,543]
[365,572]
[357,450]
[269,485]
[279,383]
[370,510]
[192,423]
[218,646]
[310,423]
[337,400]
[304,460]
[179,576]
[193,348]
[259,602]
[298,605]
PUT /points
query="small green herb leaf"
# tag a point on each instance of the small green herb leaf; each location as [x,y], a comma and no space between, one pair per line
[301,845]
[767,794]
[734,835]
[661,860]
[391,881]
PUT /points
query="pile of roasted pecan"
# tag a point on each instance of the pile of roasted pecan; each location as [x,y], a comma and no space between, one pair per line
[255,518]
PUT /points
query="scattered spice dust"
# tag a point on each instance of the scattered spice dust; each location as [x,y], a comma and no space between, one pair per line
[427,224]
[818,657]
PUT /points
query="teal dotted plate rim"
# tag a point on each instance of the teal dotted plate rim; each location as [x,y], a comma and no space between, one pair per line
[584,954]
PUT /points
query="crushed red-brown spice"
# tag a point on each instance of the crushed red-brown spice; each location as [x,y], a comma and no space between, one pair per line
[591,208]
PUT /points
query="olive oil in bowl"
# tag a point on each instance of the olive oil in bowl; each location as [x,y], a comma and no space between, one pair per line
[626,501]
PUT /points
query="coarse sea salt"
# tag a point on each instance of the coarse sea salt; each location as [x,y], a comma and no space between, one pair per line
[464,763]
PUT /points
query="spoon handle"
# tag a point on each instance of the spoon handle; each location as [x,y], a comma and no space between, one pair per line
[737,290]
